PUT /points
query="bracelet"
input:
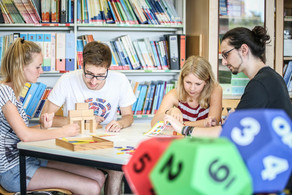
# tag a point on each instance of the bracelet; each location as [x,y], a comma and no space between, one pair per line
[187,130]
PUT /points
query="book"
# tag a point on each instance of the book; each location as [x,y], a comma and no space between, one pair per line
[29,95]
[137,93]
[42,102]
[141,99]
[151,97]
[288,72]
[24,91]
[35,99]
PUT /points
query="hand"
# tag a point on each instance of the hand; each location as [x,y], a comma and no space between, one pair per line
[176,124]
[71,130]
[175,113]
[47,119]
[113,126]
[210,122]
[99,119]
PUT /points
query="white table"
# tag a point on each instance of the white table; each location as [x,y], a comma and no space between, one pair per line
[109,158]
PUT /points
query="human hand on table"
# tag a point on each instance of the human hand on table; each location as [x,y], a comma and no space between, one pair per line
[176,124]
[113,126]
[47,120]
[71,130]
[99,119]
[175,113]
[210,122]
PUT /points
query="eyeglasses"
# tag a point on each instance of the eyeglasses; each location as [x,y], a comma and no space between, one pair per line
[225,54]
[90,76]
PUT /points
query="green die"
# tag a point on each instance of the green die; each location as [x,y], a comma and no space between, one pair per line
[201,166]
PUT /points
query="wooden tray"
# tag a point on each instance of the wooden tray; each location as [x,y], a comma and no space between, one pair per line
[84,143]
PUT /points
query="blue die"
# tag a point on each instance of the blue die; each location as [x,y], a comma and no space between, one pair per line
[264,140]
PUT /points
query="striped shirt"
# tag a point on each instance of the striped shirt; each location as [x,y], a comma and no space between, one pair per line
[192,114]
[8,139]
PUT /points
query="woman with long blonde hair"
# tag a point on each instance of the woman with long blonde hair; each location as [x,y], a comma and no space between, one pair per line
[197,99]
[20,64]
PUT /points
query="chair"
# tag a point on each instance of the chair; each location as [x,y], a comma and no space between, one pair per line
[3,191]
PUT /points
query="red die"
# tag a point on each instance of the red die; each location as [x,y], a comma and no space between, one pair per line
[142,162]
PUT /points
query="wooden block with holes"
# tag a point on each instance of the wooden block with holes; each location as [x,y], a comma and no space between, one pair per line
[84,143]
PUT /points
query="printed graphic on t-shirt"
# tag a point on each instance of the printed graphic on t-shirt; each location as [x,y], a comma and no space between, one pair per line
[100,106]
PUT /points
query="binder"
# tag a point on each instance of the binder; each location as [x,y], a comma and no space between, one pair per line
[182,49]
[60,51]
[63,14]
[173,51]
[47,52]
[70,52]
[53,51]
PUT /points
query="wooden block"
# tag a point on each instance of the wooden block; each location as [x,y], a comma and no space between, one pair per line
[88,117]
[74,113]
[87,112]
[81,106]
[87,125]
[84,143]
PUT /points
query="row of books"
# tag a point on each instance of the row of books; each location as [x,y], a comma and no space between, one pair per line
[57,11]
[33,97]
[127,12]
[232,84]
[58,48]
[166,53]
[149,95]
[59,51]
[231,7]
[20,11]
[288,75]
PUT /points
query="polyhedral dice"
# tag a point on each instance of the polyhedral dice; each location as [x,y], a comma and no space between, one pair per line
[201,167]
[141,163]
[264,139]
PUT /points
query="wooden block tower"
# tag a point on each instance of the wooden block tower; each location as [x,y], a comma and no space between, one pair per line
[80,114]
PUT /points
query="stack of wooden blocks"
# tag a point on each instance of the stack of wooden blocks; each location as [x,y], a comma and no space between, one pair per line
[81,114]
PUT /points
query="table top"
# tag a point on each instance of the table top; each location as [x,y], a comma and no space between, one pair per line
[128,137]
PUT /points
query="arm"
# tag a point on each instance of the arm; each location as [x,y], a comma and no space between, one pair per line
[32,134]
[167,105]
[197,131]
[126,120]
[57,121]
[215,110]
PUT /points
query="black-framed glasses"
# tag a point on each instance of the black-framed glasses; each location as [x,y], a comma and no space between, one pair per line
[90,76]
[225,54]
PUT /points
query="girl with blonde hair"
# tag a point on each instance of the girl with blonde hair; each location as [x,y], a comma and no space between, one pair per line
[197,99]
[20,64]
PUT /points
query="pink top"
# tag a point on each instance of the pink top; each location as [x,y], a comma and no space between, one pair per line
[192,114]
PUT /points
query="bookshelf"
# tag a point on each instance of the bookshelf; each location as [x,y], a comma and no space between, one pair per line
[219,24]
[106,32]
[283,43]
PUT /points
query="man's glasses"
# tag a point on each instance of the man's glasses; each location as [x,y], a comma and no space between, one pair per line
[225,54]
[90,76]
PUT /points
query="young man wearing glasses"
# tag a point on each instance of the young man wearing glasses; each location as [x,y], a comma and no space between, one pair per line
[104,90]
